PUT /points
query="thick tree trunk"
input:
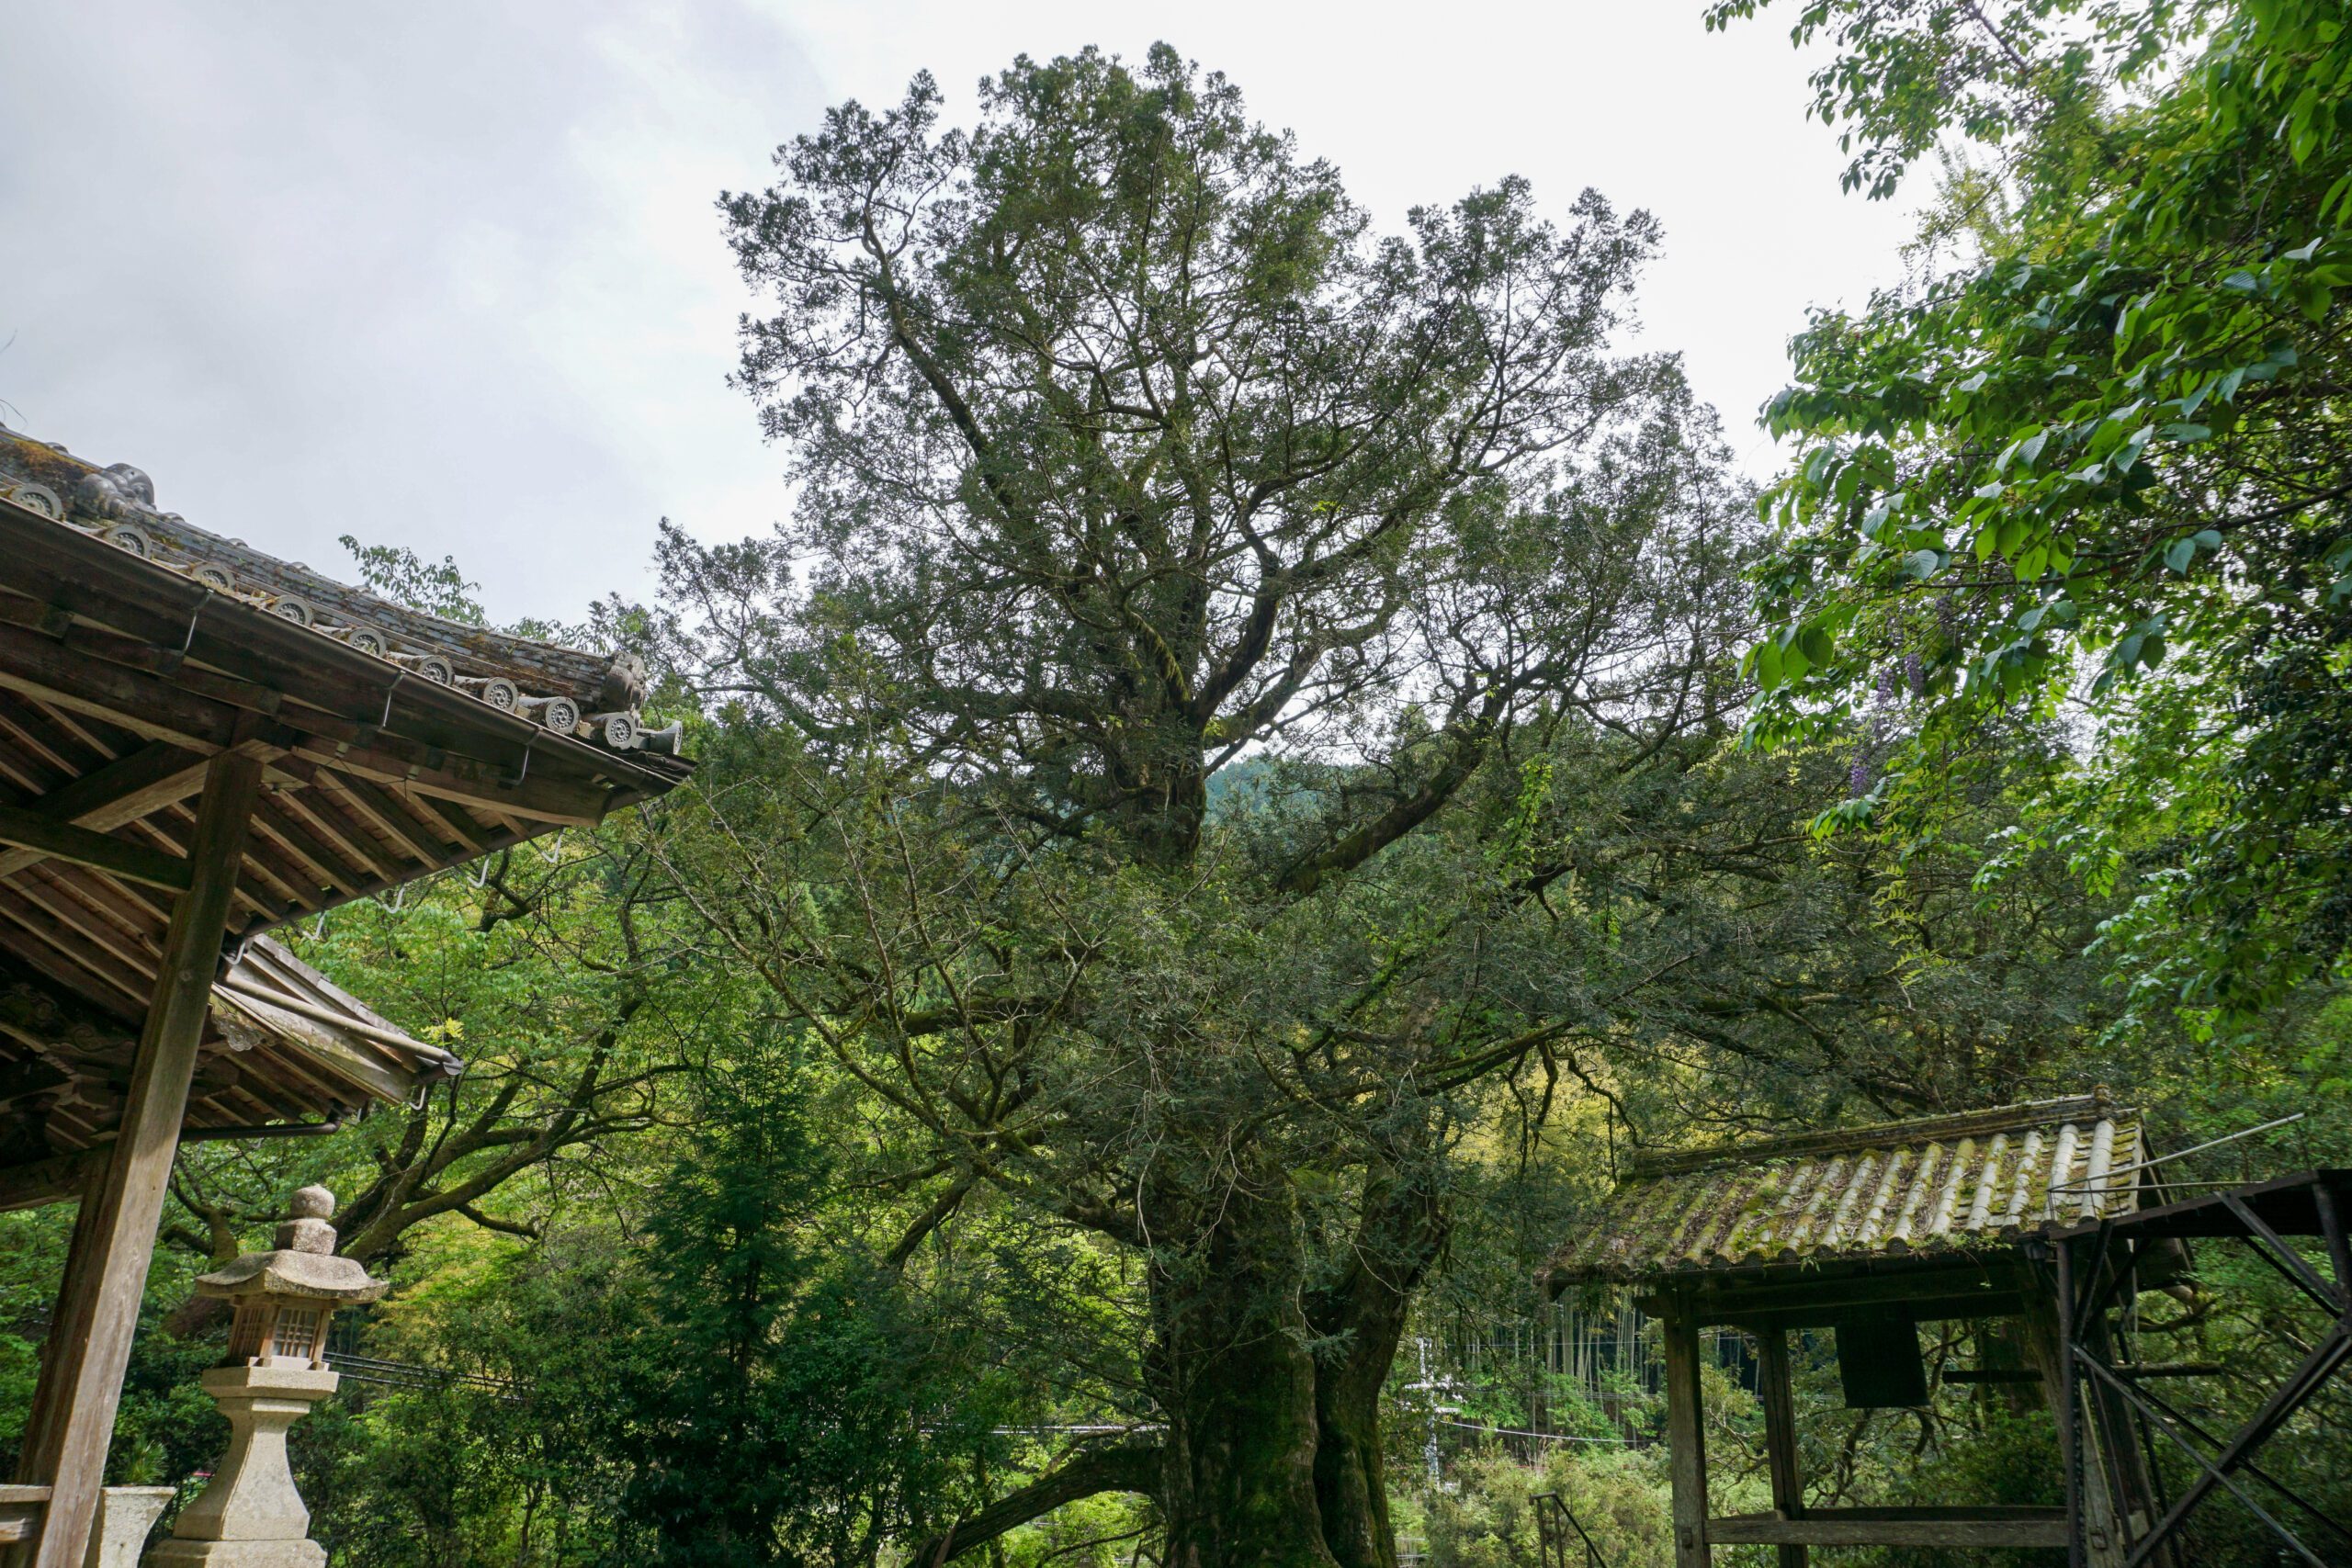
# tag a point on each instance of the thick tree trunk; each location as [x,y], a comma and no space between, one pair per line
[1269,1391]
[1235,1377]
[1402,1232]
[1272,1390]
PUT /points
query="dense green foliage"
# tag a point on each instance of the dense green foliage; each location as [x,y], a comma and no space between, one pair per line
[2100,464]
[740,1386]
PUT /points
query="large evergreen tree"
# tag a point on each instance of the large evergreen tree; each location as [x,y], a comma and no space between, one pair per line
[1124,450]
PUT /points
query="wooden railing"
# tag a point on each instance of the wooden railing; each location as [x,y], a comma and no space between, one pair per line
[20,1511]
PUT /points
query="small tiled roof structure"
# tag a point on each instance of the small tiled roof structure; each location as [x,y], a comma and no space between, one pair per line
[1867,1232]
[1939,1184]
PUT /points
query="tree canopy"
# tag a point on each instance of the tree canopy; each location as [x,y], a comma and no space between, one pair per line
[2098,467]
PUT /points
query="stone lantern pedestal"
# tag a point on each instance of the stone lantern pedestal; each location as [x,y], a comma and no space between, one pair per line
[250,1516]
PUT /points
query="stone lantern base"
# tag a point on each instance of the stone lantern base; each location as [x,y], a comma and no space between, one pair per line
[251,1516]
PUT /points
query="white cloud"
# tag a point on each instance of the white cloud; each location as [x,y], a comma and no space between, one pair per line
[448,275]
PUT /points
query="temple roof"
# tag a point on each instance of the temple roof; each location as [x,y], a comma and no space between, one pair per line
[134,647]
[1937,1185]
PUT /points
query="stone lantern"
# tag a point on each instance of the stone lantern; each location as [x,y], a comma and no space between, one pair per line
[250,1516]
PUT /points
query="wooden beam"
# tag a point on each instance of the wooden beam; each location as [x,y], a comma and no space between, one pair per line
[1721,1301]
[147,780]
[46,835]
[87,960]
[85,732]
[131,653]
[122,791]
[1774,1393]
[341,830]
[98,1310]
[76,909]
[139,909]
[325,868]
[20,1511]
[33,754]
[382,884]
[1894,1527]
[397,823]
[22,770]
[1686,1439]
[62,979]
[265,865]
[541,798]
[472,834]
[1923,1309]
[57,1180]
[267,884]
[154,708]
[390,850]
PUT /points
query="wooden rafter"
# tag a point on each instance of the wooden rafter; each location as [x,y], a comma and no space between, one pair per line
[46,835]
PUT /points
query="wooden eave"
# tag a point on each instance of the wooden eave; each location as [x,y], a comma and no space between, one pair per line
[1991,1282]
[119,678]
[174,662]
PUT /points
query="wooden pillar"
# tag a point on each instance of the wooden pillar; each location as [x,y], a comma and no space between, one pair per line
[1686,1438]
[1779,1399]
[2058,1382]
[106,1273]
[2129,1478]
[39,1439]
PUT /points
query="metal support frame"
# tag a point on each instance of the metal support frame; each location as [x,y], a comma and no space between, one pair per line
[2094,1268]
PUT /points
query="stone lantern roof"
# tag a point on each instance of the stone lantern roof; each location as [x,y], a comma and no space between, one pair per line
[302,1264]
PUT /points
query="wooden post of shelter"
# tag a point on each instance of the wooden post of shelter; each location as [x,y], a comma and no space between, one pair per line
[2128,1481]
[2096,1492]
[1775,1393]
[98,1303]
[2058,1379]
[1686,1435]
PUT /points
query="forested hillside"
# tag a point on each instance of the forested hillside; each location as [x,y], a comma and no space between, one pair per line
[1271,757]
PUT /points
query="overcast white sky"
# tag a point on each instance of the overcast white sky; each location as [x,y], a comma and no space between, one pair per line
[446,273]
